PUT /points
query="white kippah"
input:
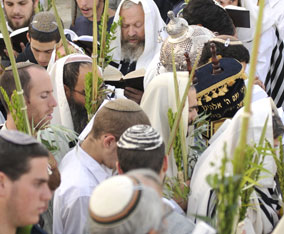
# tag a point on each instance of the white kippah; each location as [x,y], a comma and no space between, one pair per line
[114,199]
[140,137]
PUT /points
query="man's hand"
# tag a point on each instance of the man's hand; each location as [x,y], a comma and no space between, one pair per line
[258,82]
[54,179]
[133,94]
[23,47]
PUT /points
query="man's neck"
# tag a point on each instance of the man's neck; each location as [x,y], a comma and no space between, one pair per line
[10,124]
[6,227]
[92,148]
[100,10]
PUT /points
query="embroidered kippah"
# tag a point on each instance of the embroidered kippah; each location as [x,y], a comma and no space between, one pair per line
[122,104]
[44,22]
[140,137]
[17,137]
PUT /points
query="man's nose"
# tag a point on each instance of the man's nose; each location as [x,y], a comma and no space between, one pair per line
[131,31]
[46,193]
[16,9]
[53,102]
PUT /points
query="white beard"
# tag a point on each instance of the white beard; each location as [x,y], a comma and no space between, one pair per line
[130,53]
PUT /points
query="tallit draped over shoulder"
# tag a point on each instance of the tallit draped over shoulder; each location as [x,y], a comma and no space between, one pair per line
[62,113]
[157,99]
[200,190]
[153,25]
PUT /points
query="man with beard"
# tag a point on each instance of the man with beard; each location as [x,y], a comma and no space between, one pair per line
[137,41]
[68,78]
[19,13]
[37,92]
[74,85]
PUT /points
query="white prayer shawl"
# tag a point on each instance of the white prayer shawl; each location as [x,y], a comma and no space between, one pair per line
[273,18]
[153,24]
[273,15]
[157,99]
[62,113]
[200,190]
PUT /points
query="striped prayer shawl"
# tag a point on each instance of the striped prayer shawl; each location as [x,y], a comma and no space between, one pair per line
[274,80]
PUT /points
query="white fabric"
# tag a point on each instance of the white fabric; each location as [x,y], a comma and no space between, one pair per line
[61,113]
[153,24]
[273,17]
[157,99]
[80,174]
[200,190]
[280,227]
[173,204]
[2,119]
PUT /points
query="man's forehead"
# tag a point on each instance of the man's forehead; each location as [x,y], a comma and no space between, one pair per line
[42,46]
[135,8]
[17,1]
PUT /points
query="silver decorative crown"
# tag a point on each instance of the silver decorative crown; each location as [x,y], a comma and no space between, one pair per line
[182,38]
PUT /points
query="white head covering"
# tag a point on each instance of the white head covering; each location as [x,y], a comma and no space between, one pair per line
[200,190]
[153,24]
[62,113]
[157,99]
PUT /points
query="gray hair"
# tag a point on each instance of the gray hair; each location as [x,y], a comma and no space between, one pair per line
[128,4]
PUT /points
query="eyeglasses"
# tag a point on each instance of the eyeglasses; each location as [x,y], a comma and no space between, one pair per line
[80,92]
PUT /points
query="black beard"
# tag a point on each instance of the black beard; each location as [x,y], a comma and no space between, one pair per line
[26,23]
[79,115]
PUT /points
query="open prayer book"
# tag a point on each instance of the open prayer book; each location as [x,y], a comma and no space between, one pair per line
[132,79]
[84,41]
[239,15]
[17,36]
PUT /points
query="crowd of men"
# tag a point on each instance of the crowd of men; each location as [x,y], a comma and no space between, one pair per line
[110,179]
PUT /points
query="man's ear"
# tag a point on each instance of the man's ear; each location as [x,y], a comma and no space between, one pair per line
[109,140]
[28,37]
[67,91]
[3,184]
[35,4]
[165,164]
[119,170]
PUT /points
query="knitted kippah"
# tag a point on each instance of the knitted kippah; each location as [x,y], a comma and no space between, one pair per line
[123,105]
[20,65]
[17,137]
[140,137]
[44,22]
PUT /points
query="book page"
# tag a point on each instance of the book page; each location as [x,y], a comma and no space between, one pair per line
[137,73]
[237,8]
[19,31]
[112,73]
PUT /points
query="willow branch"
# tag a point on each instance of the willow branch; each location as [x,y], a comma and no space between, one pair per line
[103,36]
[180,109]
[240,150]
[95,55]
[60,28]
[181,128]
[19,89]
